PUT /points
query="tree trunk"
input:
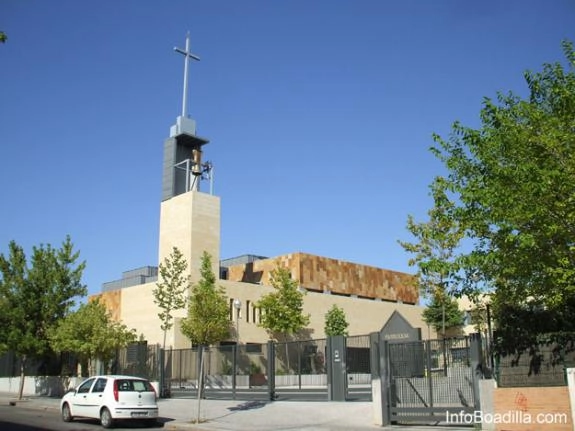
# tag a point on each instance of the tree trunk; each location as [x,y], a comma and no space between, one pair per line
[200,383]
[22,374]
[91,367]
[84,368]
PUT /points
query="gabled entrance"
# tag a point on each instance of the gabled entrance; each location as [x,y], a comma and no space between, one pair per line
[424,381]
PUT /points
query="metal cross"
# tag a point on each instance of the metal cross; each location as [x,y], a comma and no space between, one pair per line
[188,55]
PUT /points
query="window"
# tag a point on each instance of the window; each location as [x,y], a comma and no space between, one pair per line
[85,387]
[134,386]
[253,348]
[125,385]
[140,386]
[100,385]
[247,311]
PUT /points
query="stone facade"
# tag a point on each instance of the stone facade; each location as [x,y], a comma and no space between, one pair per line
[322,274]
[191,222]
[134,306]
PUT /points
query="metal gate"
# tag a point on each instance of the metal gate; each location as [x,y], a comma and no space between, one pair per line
[358,368]
[229,372]
[432,381]
[300,370]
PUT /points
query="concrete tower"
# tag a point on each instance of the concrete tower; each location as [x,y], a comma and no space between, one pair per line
[189,218]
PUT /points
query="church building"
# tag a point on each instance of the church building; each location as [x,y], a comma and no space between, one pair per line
[190,220]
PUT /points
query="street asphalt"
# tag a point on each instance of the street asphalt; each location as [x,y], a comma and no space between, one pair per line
[228,415]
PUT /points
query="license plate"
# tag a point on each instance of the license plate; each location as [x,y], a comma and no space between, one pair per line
[139,414]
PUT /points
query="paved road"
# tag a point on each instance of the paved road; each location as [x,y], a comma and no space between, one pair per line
[226,415]
[22,418]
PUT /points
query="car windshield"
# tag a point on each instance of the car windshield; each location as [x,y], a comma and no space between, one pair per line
[127,385]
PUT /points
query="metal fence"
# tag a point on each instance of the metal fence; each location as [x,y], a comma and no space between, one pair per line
[290,370]
[300,369]
[539,365]
[227,369]
[62,364]
[300,357]
[135,360]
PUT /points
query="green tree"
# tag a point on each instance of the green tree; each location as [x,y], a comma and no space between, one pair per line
[478,317]
[207,322]
[511,183]
[443,313]
[335,322]
[435,257]
[434,253]
[91,333]
[514,183]
[282,310]
[3,37]
[36,296]
[170,291]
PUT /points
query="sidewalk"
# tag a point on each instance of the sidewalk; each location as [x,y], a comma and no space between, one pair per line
[228,415]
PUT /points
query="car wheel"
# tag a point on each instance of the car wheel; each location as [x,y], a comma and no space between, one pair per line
[66,413]
[106,418]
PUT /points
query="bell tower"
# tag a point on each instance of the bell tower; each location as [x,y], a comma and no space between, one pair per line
[189,218]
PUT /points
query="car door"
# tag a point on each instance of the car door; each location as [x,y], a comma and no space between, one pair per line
[95,398]
[80,398]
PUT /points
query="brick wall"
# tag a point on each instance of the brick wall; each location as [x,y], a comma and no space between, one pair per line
[522,405]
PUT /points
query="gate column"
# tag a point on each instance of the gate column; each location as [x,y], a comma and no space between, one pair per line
[336,368]
[379,383]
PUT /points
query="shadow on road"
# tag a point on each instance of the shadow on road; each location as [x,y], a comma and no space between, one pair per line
[250,405]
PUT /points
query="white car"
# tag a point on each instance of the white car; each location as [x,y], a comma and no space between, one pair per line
[109,398]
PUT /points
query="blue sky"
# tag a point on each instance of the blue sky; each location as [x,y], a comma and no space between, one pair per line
[319,116]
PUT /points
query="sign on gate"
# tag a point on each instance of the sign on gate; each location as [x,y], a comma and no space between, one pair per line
[398,329]
[407,361]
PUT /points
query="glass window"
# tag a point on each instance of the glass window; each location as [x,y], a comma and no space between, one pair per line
[125,385]
[85,387]
[140,386]
[135,385]
[100,385]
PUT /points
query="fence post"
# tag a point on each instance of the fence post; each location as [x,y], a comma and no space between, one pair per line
[299,353]
[476,362]
[234,370]
[428,367]
[271,369]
